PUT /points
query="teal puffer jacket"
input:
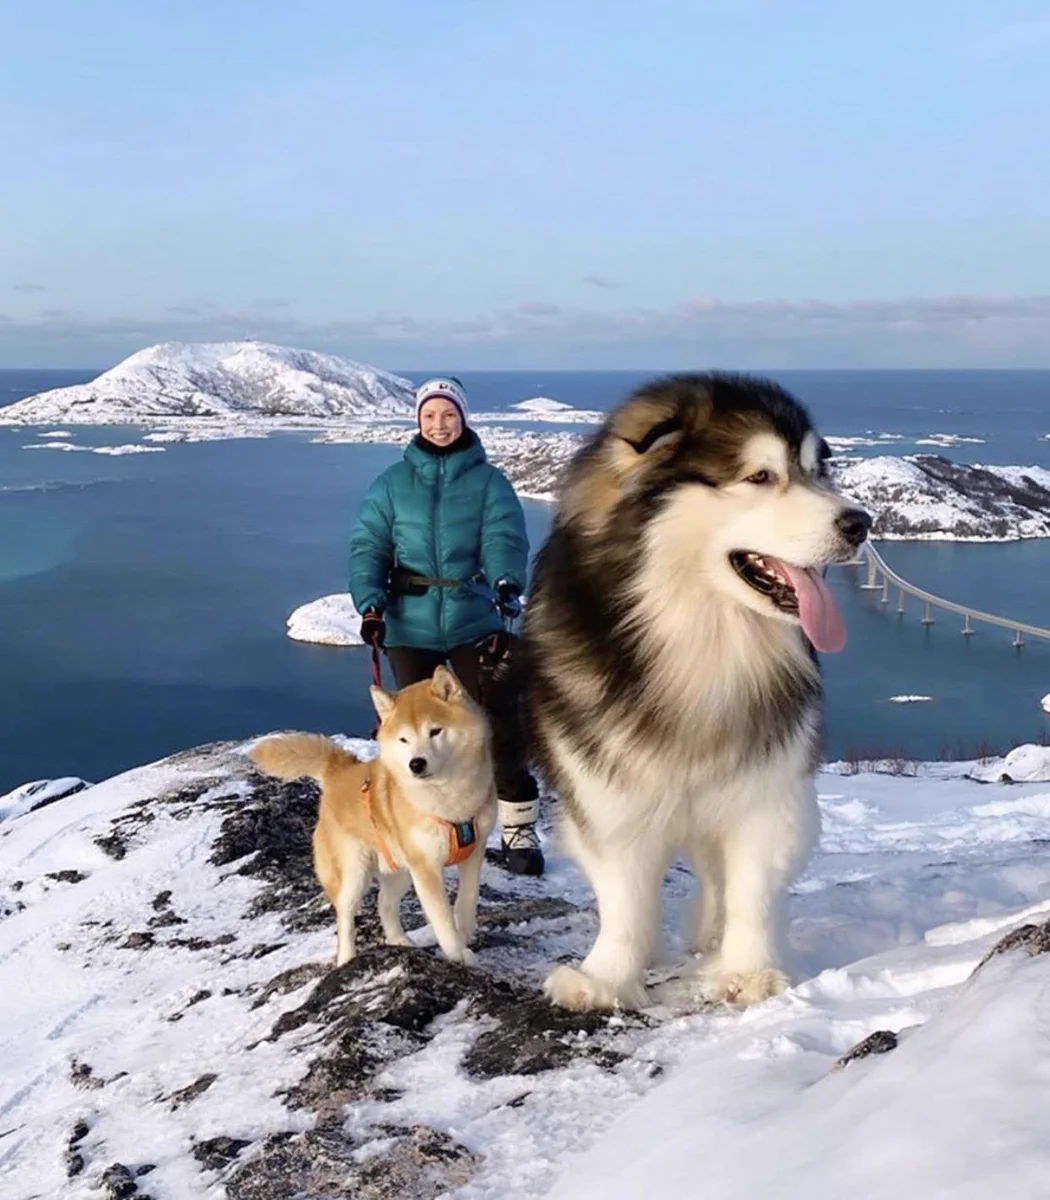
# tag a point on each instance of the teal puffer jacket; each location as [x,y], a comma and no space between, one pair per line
[446,516]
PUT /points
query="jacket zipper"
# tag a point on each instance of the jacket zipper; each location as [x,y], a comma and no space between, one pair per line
[438,550]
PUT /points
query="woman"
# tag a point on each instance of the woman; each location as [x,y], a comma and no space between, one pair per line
[438,563]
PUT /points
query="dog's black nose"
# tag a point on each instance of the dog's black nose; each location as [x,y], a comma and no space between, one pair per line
[417,765]
[853,524]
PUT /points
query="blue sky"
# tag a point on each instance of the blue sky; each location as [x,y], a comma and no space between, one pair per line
[540,183]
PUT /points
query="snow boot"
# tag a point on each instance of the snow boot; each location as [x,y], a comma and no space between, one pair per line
[520,851]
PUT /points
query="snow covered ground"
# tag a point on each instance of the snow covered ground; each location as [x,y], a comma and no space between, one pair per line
[38,794]
[1024,764]
[167,1005]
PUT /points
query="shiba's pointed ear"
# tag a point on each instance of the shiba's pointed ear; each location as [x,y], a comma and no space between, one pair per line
[383,701]
[445,685]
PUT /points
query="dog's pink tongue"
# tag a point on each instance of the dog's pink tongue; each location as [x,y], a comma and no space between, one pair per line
[817,609]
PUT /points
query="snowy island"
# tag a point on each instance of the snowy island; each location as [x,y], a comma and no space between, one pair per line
[209,380]
[203,392]
[171,1015]
[927,496]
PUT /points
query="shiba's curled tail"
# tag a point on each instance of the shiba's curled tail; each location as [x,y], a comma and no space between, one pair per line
[298,755]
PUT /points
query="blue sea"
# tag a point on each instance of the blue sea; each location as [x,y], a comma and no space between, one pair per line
[143,599]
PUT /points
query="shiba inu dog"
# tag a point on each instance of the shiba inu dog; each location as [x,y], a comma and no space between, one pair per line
[674,695]
[427,801]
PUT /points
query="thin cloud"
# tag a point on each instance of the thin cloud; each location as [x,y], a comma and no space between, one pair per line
[271,304]
[28,288]
[602,281]
[961,330]
[540,308]
[1014,38]
[183,310]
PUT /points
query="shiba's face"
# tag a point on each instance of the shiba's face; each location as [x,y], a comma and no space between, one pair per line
[734,482]
[429,729]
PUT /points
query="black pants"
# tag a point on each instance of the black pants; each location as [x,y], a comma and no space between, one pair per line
[498,694]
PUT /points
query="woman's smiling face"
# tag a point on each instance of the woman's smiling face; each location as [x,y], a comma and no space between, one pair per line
[440,422]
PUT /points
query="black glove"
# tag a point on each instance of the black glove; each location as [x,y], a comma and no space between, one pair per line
[508,599]
[373,628]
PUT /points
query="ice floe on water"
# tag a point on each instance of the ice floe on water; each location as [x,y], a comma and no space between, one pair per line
[949,439]
[327,621]
[126,448]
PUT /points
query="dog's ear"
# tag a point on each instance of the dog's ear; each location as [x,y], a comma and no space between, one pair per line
[383,701]
[649,428]
[643,433]
[445,685]
[656,418]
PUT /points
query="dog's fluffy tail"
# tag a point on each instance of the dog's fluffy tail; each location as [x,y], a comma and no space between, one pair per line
[298,755]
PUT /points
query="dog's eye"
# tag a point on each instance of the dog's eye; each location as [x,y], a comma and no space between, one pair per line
[435,731]
[760,478]
[403,739]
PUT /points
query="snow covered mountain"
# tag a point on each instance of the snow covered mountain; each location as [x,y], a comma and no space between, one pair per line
[220,379]
[926,496]
[172,1026]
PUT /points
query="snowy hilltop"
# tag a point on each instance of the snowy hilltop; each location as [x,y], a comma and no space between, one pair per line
[927,496]
[544,410]
[220,379]
[186,1036]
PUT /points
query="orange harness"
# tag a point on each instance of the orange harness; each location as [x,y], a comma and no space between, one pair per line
[462,835]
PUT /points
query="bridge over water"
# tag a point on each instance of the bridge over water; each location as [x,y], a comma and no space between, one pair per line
[882,579]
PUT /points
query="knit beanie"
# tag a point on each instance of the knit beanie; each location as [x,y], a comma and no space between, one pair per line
[447,388]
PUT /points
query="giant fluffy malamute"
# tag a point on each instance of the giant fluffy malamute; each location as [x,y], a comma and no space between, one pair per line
[675,700]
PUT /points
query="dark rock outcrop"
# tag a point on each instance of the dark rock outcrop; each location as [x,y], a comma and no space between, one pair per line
[1034,939]
[882,1041]
[414,1163]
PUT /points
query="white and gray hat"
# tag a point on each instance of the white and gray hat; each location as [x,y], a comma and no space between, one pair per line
[446,387]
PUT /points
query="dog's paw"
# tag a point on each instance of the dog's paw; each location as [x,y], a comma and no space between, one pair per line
[462,955]
[743,987]
[400,939]
[571,988]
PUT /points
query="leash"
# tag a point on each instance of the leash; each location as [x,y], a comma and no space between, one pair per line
[377,681]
